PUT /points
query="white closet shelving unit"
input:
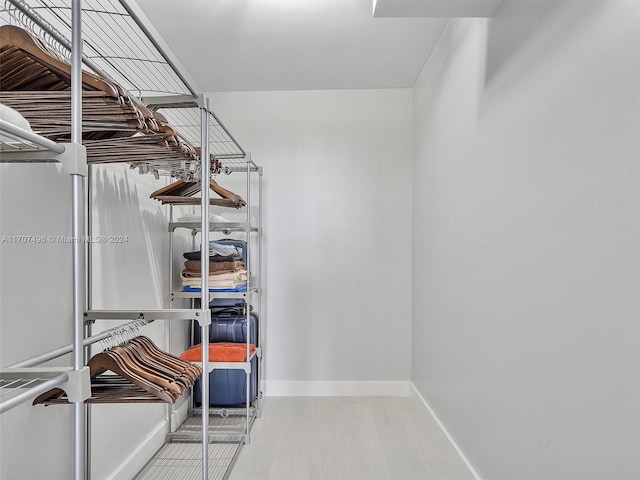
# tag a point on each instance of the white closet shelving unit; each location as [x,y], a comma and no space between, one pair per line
[227,428]
[78,373]
[148,74]
[251,231]
[22,383]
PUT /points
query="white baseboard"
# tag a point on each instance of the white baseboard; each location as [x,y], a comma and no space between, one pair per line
[414,391]
[336,389]
[141,455]
[151,444]
[179,413]
[137,459]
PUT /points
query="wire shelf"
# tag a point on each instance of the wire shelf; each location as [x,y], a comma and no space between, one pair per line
[16,139]
[181,456]
[134,61]
[184,461]
[187,122]
[139,65]
[18,386]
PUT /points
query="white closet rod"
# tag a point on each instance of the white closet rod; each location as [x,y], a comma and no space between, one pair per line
[33,391]
[21,133]
[58,352]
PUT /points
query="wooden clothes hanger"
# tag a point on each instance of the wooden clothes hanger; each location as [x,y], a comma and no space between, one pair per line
[37,83]
[179,365]
[146,366]
[116,127]
[237,200]
[163,375]
[181,192]
[151,371]
[111,361]
[28,65]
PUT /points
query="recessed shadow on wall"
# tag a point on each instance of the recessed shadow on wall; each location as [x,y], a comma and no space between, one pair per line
[520,21]
[35,266]
[131,262]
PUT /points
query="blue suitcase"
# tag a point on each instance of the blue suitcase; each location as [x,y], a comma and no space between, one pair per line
[228,387]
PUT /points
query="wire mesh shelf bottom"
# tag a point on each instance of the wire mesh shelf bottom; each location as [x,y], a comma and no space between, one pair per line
[184,461]
[181,457]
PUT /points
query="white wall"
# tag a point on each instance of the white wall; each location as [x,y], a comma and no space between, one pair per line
[35,310]
[523,277]
[337,235]
[526,276]
[37,304]
[337,257]
[131,275]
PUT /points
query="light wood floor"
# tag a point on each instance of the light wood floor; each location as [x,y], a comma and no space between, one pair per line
[347,438]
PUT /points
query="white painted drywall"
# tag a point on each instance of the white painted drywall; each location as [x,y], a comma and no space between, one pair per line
[337,233]
[526,278]
[130,271]
[435,8]
[36,305]
[35,310]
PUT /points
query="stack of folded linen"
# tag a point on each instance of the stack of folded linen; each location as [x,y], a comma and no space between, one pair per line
[227,270]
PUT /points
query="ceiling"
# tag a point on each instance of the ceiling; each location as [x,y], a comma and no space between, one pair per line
[243,45]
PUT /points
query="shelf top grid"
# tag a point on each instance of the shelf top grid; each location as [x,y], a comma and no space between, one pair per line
[12,139]
[134,61]
[18,386]
[186,121]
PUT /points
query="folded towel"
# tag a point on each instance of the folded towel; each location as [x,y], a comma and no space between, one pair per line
[219,352]
[237,277]
[239,288]
[195,266]
[186,273]
[212,258]
[221,285]
[223,246]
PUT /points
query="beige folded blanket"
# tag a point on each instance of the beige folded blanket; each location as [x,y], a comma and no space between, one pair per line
[221,280]
[195,266]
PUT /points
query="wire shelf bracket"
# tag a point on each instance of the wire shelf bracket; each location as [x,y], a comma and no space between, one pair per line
[150,315]
[19,385]
[24,146]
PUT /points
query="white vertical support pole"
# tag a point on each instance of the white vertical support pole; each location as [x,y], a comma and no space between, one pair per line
[205,169]
[247,310]
[170,266]
[88,330]
[78,233]
[168,325]
[260,277]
